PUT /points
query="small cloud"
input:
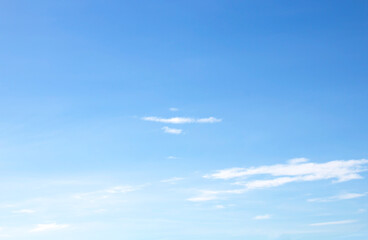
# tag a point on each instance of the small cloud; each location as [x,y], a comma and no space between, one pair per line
[344,196]
[174,120]
[219,206]
[8,206]
[49,227]
[208,120]
[121,189]
[201,198]
[362,210]
[28,211]
[106,193]
[206,195]
[262,217]
[172,130]
[298,160]
[102,210]
[332,223]
[172,180]
[173,109]
[172,157]
[182,120]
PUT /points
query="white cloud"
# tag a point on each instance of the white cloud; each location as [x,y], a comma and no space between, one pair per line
[202,198]
[28,211]
[298,160]
[208,120]
[206,195]
[333,223]
[171,157]
[121,189]
[182,120]
[340,170]
[172,130]
[262,217]
[296,170]
[49,227]
[172,180]
[219,206]
[344,196]
[173,109]
[268,183]
[106,193]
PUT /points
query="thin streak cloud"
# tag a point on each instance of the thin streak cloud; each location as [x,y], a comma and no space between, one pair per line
[341,170]
[182,120]
[49,227]
[262,217]
[172,130]
[345,196]
[294,171]
[333,223]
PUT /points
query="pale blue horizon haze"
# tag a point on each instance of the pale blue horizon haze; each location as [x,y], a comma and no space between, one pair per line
[178,120]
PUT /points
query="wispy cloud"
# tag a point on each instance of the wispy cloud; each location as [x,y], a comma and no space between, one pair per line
[299,171]
[182,120]
[296,170]
[205,195]
[333,223]
[262,217]
[172,130]
[121,189]
[173,109]
[49,227]
[27,211]
[267,183]
[106,193]
[172,180]
[298,160]
[219,206]
[344,196]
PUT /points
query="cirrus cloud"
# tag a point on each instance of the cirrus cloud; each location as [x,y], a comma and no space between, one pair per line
[296,170]
[333,223]
[344,196]
[341,170]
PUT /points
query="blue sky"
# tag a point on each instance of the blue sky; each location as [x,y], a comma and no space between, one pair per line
[176,120]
